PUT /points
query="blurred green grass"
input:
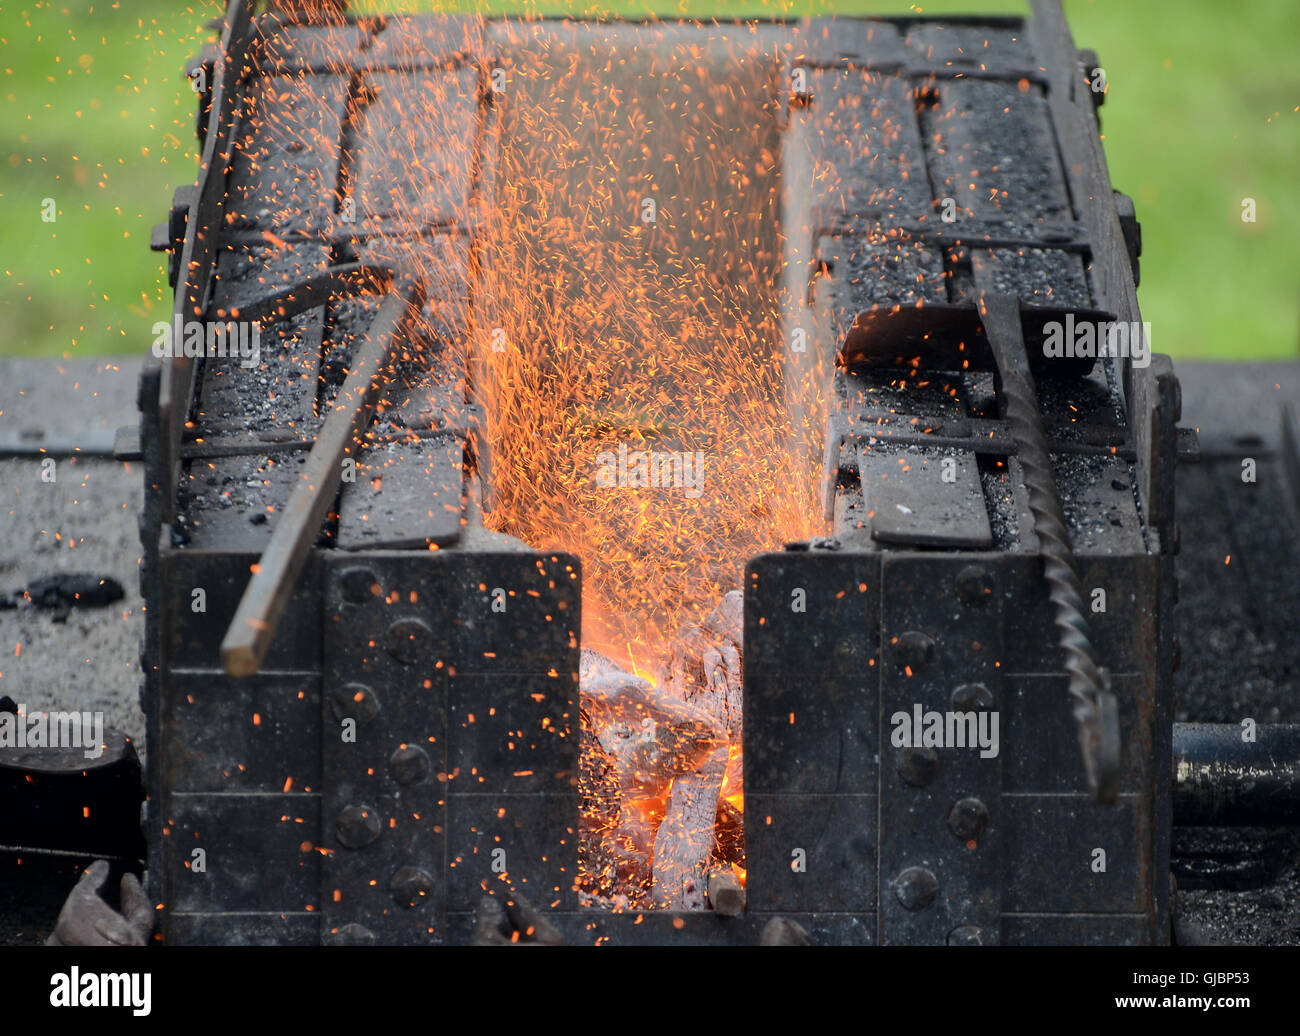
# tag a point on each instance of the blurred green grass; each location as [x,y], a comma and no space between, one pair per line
[1201,113]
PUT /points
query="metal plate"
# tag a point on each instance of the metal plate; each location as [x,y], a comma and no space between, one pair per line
[260,853]
[285,168]
[463,744]
[387,642]
[926,499]
[406,494]
[941,819]
[416,140]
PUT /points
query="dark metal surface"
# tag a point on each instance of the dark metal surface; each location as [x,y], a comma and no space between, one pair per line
[942,818]
[1064,869]
[455,669]
[407,493]
[449,761]
[197,255]
[926,500]
[941,336]
[975,631]
[1238,774]
[61,799]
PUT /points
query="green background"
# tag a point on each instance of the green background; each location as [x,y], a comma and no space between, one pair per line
[1201,113]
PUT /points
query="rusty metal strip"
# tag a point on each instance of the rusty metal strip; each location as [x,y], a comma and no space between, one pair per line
[255,621]
[199,252]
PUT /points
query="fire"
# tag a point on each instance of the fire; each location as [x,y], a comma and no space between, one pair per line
[629,339]
[630,331]
[630,345]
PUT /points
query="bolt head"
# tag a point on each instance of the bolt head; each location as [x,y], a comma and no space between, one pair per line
[409,640]
[357,584]
[914,649]
[409,764]
[917,766]
[966,935]
[354,701]
[968,818]
[974,585]
[916,888]
[971,696]
[411,886]
[351,935]
[357,826]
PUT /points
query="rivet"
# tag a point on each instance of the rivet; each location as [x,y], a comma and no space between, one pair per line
[974,585]
[354,701]
[357,584]
[916,888]
[968,818]
[917,766]
[411,886]
[351,935]
[972,696]
[966,935]
[357,826]
[409,764]
[409,640]
[914,649]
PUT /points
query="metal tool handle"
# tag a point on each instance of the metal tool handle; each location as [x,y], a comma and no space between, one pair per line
[275,575]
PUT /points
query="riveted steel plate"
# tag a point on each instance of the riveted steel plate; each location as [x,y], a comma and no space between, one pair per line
[433,756]
[941,819]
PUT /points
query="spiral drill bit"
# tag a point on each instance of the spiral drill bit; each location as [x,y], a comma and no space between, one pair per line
[1095,709]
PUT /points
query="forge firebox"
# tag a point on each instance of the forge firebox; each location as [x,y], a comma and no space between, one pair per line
[674,482]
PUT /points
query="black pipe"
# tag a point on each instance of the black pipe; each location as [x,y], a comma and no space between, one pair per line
[1221,779]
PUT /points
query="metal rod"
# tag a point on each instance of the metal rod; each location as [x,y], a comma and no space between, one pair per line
[316,290]
[1095,708]
[274,577]
[198,258]
[1221,779]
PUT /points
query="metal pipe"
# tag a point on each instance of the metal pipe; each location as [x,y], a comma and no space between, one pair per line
[1221,779]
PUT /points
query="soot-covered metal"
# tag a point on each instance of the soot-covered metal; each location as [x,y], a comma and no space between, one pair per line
[364,703]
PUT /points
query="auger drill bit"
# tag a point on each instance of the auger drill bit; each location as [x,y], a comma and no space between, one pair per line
[1095,709]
